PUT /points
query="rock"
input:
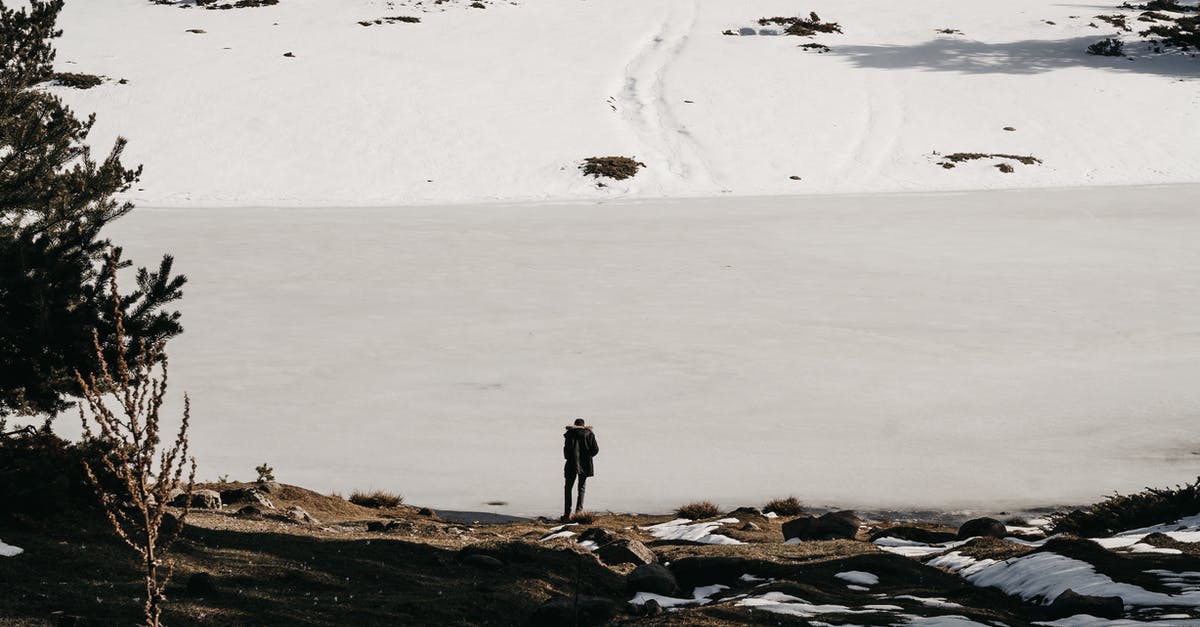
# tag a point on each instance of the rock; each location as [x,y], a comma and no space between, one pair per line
[916,534]
[425,511]
[288,54]
[252,496]
[250,512]
[1071,603]
[654,578]
[583,611]
[626,552]
[270,487]
[597,535]
[202,584]
[749,526]
[297,514]
[170,525]
[196,31]
[745,511]
[830,526]
[651,608]
[985,527]
[484,562]
[201,499]
[377,525]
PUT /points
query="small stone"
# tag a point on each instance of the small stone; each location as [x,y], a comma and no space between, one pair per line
[200,499]
[1071,603]
[1009,128]
[984,527]
[196,31]
[202,584]
[654,578]
[651,608]
[794,177]
[288,54]
[298,515]
[626,552]
[250,512]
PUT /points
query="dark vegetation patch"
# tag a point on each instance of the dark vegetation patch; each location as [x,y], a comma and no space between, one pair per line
[376,499]
[1119,512]
[1116,19]
[1107,48]
[697,510]
[618,168]
[802,27]
[215,5]
[1162,5]
[820,48]
[77,81]
[1182,32]
[407,19]
[948,31]
[790,506]
[953,159]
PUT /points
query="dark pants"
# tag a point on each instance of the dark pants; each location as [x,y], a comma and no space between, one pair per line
[567,494]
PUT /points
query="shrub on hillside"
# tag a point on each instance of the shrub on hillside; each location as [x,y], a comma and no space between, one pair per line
[698,510]
[791,506]
[376,499]
[1182,33]
[1107,48]
[77,81]
[42,474]
[618,168]
[801,27]
[1119,512]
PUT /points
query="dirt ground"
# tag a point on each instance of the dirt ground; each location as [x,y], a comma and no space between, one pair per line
[417,572]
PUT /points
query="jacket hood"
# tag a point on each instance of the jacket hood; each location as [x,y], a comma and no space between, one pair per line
[584,428]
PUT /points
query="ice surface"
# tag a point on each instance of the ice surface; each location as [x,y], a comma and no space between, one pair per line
[905,336]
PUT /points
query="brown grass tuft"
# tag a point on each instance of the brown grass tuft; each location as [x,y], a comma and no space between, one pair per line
[791,506]
[698,510]
[376,499]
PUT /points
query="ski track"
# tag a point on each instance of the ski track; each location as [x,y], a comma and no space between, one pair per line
[643,105]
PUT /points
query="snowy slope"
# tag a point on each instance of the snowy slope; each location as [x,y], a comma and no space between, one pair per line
[472,105]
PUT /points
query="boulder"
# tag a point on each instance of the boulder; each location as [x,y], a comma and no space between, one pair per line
[829,526]
[916,534]
[1071,603]
[377,525]
[651,608]
[250,496]
[202,584]
[583,610]
[983,527]
[597,535]
[483,562]
[250,512]
[626,552]
[297,514]
[654,578]
[270,487]
[201,499]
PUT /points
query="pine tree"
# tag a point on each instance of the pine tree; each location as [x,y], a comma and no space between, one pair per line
[55,200]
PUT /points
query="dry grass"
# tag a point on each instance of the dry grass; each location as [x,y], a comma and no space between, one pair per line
[376,500]
[583,518]
[790,506]
[698,509]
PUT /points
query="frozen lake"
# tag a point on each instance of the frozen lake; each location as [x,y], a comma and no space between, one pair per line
[943,350]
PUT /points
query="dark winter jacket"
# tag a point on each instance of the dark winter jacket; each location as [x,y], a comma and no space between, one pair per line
[579,447]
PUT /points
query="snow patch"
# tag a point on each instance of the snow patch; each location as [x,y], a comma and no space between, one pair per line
[700,596]
[684,529]
[8,550]
[858,577]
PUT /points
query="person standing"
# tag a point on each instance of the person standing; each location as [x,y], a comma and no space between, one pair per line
[579,447]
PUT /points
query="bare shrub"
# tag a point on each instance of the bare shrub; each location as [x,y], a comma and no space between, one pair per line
[801,27]
[376,499]
[698,509]
[791,506]
[618,168]
[1107,48]
[146,472]
[1120,512]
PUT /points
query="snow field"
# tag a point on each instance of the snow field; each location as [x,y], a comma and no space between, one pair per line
[501,104]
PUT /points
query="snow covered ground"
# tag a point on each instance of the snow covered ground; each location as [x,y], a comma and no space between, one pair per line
[982,349]
[502,103]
